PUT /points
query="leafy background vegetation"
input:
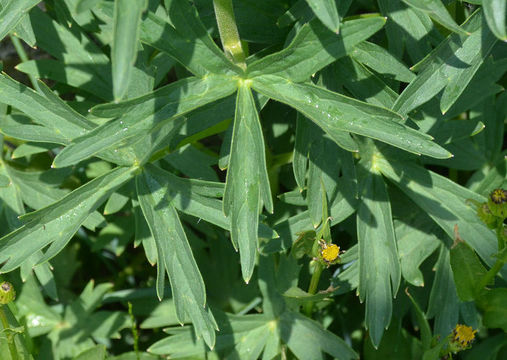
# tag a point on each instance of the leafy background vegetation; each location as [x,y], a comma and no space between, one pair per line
[198,163]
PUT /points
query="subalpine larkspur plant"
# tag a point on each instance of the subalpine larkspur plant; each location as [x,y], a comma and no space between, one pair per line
[287,179]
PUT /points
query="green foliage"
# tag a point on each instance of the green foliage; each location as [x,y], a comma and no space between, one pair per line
[328,184]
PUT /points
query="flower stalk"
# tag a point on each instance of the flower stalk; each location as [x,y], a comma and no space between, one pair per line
[228,30]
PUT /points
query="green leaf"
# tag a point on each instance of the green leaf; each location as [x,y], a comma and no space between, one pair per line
[174,256]
[96,353]
[48,110]
[327,12]
[28,149]
[336,113]
[12,13]
[314,47]
[362,83]
[86,65]
[83,5]
[56,224]
[193,163]
[245,335]
[408,28]
[379,269]
[247,183]
[307,339]
[115,203]
[423,323]
[197,198]
[437,11]
[467,270]
[382,61]
[445,202]
[38,191]
[414,246]
[126,24]
[450,67]
[325,163]
[143,115]
[397,344]
[495,12]
[190,45]
[495,311]
[444,302]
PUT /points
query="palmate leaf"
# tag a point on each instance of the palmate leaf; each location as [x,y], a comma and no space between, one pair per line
[11,206]
[60,123]
[86,66]
[56,224]
[247,184]
[12,13]
[451,66]
[187,41]
[199,198]
[379,268]
[445,202]
[127,19]
[174,255]
[336,113]
[49,110]
[144,115]
[314,47]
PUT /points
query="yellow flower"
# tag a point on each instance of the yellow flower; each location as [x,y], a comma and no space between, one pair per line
[329,253]
[464,335]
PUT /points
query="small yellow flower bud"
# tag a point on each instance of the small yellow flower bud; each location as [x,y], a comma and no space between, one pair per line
[7,293]
[497,203]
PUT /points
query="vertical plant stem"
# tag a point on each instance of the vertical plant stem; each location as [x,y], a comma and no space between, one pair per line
[24,57]
[229,32]
[10,338]
[135,334]
[312,289]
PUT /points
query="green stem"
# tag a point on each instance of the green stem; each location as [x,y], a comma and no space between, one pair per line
[24,58]
[312,289]
[499,235]
[10,338]
[135,334]
[229,32]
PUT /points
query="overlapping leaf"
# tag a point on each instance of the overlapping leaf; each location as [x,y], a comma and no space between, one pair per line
[327,12]
[336,113]
[12,13]
[314,47]
[186,40]
[174,255]
[445,202]
[56,224]
[450,66]
[379,268]
[141,116]
[247,185]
